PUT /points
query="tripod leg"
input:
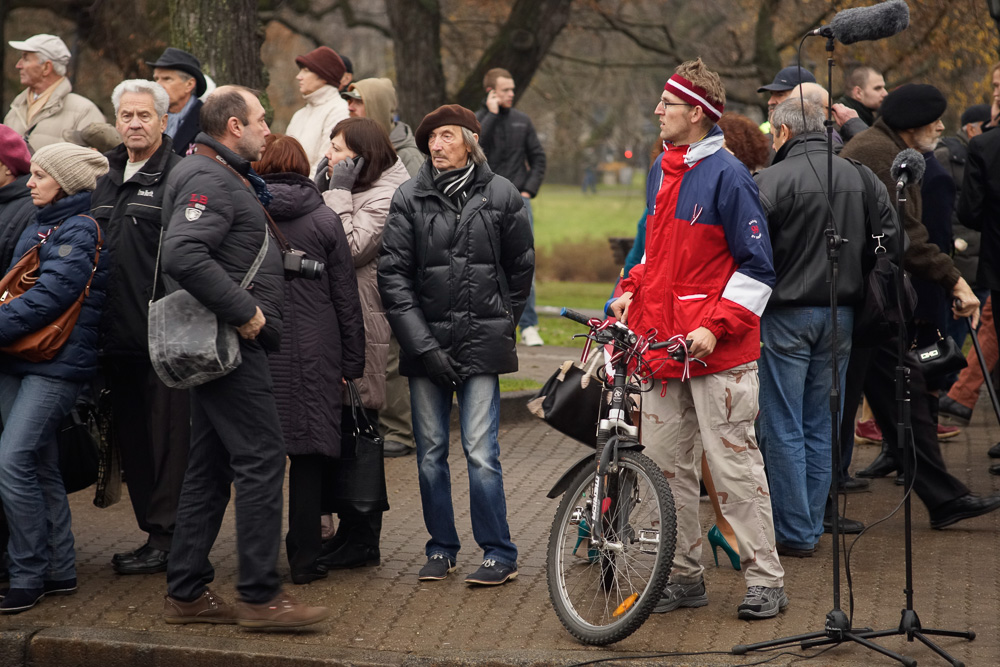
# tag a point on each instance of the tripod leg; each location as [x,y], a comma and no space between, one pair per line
[742,649]
[909,662]
[937,649]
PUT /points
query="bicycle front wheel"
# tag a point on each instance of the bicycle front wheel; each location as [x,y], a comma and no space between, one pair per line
[602,593]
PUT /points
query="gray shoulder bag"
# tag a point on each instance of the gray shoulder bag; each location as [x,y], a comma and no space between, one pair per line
[188,345]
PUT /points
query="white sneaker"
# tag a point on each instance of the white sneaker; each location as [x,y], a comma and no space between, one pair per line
[530,337]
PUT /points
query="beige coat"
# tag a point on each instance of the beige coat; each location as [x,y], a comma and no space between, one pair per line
[363,215]
[312,124]
[65,110]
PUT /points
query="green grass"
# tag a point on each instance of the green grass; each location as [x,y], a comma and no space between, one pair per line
[572,295]
[563,212]
[518,384]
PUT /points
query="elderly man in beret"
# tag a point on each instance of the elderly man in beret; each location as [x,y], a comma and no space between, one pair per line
[179,73]
[320,73]
[910,118]
[455,271]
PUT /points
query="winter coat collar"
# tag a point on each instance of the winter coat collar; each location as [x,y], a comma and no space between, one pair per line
[701,149]
[318,98]
[800,144]
[295,195]
[234,160]
[53,214]
[15,190]
[150,173]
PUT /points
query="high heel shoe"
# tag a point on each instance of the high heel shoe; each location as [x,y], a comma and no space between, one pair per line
[716,539]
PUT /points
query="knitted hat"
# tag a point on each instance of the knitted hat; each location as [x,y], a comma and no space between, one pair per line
[449,114]
[75,168]
[14,152]
[913,105]
[324,63]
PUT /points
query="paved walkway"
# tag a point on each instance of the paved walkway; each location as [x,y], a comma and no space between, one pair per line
[385,616]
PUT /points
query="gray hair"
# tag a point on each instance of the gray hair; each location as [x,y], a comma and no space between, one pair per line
[790,114]
[57,67]
[161,101]
[475,150]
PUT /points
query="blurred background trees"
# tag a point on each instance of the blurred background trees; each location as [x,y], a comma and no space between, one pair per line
[588,71]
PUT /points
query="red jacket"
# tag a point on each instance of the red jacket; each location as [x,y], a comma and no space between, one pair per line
[708,256]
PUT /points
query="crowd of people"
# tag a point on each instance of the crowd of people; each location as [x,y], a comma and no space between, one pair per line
[374,273]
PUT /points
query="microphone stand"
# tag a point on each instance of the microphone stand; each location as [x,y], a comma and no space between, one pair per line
[909,623]
[837,628]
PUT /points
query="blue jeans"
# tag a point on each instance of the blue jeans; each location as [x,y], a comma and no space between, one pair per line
[795,415]
[529,318]
[34,499]
[479,408]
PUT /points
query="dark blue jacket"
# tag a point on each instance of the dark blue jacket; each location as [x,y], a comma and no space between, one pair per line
[16,209]
[66,262]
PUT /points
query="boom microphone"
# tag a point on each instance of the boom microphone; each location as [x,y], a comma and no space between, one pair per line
[862,24]
[908,167]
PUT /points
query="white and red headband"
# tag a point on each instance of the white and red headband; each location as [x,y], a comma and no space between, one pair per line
[694,95]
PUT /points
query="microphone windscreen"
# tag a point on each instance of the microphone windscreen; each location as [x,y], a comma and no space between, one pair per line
[910,161]
[879,21]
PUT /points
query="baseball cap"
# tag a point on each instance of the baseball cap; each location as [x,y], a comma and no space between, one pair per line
[788,78]
[49,47]
[351,93]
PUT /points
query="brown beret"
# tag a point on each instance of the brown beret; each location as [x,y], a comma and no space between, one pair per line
[449,114]
[324,63]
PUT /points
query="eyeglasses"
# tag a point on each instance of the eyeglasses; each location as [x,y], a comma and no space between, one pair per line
[663,104]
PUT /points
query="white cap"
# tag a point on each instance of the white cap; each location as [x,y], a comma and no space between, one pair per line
[49,47]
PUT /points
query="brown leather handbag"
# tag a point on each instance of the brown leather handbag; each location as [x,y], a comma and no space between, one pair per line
[44,344]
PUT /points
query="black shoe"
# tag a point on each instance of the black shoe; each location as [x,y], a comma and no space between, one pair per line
[151,562]
[883,465]
[138,552]
[955,411]
[492,573]
[307,576]
[393,449]
[436,568]
[995,469]
[20,599]
[793,552]
[963,507]
[847,526]
[63,587]
[994,451]
[350,556]
[854,485]
[900,480]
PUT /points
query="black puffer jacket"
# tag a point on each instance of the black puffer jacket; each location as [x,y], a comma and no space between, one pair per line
[795,203]
[324,334]
[215,227]
[456,279]
[131,216]
[508,138]
[16,210]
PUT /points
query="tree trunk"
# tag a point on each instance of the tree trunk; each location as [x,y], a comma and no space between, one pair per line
[766,54]
[520,47]
[225,35]
[416,29]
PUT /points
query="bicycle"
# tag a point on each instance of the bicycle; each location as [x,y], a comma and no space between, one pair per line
[612,540]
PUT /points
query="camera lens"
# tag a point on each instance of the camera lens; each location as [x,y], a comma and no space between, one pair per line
[311,269]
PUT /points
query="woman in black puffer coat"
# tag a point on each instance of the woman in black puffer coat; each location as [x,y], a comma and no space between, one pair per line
[323,342]
[36,395]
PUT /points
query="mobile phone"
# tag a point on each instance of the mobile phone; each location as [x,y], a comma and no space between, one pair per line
[356,158]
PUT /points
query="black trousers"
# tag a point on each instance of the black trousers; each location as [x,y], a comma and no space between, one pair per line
[152,426]
[873,371]
[235,439]
[305,494]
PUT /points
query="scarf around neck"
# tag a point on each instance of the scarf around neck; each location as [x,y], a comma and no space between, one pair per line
[455,183]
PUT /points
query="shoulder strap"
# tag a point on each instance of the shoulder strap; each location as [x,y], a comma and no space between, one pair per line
[873,221]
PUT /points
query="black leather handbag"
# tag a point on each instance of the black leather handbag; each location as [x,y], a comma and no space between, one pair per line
[939,358]
[78,438]
[570,400]
[357,478]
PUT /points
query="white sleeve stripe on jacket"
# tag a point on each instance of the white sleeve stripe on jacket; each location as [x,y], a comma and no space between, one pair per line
[747,292]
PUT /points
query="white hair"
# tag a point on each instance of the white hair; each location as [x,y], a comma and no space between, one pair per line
[161,101]
[475,150]
[57,67]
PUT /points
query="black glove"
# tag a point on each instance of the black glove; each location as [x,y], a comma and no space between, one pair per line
[345,173]
[441,368]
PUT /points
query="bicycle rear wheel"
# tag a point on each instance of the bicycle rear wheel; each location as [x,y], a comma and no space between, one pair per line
[603,593]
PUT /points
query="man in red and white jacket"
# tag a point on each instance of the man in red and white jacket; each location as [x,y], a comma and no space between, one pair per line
[707,275]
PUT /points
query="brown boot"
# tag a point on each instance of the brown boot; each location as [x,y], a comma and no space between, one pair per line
[281,612]
[209,608]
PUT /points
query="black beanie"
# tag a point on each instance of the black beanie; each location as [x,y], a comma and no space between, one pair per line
[913,105]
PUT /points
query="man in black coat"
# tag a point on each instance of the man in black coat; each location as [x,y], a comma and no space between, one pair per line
[152,421]
[215,229]
[979,209]
[16,207]
[180,74]
[512,148]
[455,270]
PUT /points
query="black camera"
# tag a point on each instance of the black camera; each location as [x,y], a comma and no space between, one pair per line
[297,266]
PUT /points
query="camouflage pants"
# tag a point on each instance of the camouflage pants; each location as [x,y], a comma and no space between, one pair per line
[715,412]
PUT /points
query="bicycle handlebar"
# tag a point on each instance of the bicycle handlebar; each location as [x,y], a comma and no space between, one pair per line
[575,316]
